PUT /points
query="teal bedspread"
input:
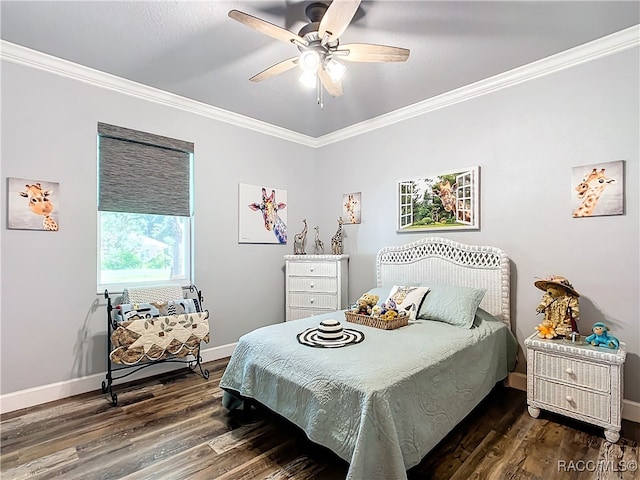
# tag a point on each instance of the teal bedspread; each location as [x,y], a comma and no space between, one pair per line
[382,404]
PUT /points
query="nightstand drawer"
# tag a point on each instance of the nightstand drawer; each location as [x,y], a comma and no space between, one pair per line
[312,269]
[309,300]
[573,400]
[573,372]
[313,284]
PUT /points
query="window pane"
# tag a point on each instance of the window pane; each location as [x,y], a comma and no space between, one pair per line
[141,248]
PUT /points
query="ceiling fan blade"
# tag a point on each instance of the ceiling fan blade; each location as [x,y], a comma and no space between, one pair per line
[367,52]
[337,18]
[333,87]
[267,28]
[276,69]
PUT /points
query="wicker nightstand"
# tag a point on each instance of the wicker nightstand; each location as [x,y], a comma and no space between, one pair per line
[576,380]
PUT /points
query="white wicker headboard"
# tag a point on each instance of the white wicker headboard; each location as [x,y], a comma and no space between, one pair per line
[438,260]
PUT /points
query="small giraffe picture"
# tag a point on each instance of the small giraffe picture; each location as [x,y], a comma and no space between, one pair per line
[32,204]
[262,214]
[598,189]
[351,207]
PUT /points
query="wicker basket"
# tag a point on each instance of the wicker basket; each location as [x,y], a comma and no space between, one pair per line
[375,321]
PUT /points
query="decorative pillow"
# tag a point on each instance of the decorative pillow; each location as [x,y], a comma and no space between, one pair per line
[151,293]
[451,304]
[408,298]
[133,311]
[176,307]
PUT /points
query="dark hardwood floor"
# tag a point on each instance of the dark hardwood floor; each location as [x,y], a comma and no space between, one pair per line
[173,426]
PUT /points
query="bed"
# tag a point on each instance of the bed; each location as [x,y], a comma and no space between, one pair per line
[384,403]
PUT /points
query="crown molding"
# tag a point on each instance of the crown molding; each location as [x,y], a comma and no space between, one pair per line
[602,47]
[32,58]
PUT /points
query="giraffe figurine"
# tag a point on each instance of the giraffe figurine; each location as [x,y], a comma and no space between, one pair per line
[319,243]
[336,240]
[269,209]
[590,190]
[40,204]
[300,239]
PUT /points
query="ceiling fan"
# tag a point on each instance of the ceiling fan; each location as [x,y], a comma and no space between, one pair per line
[319,46]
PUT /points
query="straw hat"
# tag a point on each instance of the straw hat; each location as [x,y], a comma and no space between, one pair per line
[556,280]
[330,334]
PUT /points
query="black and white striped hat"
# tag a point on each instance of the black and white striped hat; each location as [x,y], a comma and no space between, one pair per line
[330,334]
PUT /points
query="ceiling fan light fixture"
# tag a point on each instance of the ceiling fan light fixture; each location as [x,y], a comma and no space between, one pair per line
[335,69]
[308,79]
[310,61]
[320,47]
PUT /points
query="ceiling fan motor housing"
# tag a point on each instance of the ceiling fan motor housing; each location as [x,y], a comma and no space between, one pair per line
[315,11]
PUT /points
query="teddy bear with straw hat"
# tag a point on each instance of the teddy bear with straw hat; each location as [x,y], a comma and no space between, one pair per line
[559,304]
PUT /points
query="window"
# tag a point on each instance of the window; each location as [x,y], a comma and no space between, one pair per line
[145,219]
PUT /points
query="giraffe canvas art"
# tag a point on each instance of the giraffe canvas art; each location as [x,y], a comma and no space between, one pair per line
[262,214]
[32,204]
[445,201]
[598,189]
[352,207]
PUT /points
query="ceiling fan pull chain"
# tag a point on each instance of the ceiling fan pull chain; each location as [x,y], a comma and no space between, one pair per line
[319,93]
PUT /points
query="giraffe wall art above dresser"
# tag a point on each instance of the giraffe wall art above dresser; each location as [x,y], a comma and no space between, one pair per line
[262,214]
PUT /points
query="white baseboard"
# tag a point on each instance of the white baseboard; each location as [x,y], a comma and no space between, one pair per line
[56,391]
[630,409]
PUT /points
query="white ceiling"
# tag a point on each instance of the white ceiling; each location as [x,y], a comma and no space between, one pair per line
[193,49]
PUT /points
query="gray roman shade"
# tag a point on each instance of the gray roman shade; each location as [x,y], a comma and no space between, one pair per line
[143,173]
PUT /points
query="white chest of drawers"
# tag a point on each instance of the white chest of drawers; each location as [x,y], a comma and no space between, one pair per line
[576,380]
[315,284]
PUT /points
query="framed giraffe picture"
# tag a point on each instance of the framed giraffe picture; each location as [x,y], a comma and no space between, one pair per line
[32,204]
[443,201]
[598,189]
[262,214]
[352,208]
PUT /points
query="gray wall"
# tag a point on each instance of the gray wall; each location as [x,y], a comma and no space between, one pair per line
[53,323]
[525,138]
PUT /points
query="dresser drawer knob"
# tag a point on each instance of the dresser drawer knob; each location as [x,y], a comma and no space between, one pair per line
[311,269]
[569,398]
[311,286]
[569,371]
[311,301]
